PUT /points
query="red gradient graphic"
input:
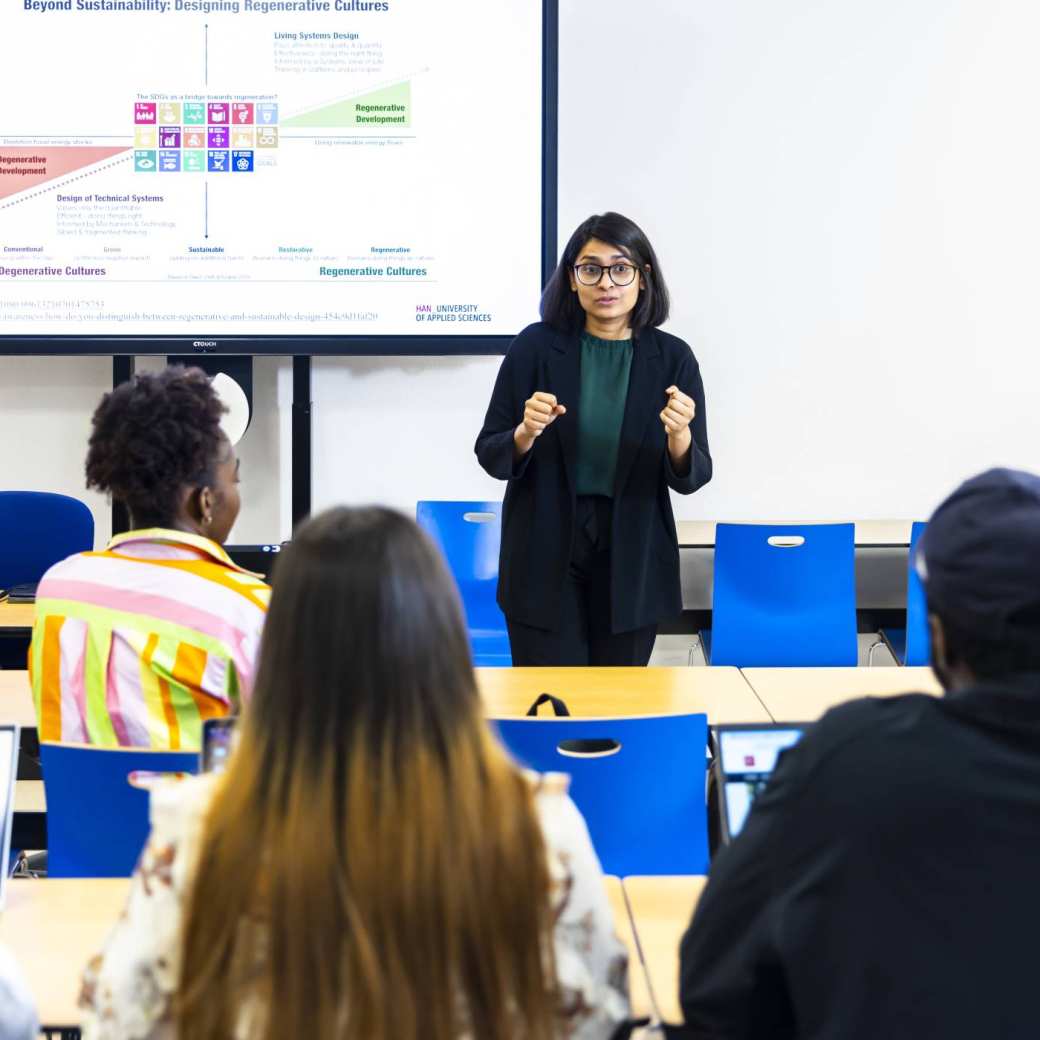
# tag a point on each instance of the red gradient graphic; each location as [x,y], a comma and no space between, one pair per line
[57,161]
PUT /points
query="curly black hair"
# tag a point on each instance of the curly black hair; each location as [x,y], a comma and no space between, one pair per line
[151,437]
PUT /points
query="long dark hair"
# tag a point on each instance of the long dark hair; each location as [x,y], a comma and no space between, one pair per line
[368,820]
[560,307]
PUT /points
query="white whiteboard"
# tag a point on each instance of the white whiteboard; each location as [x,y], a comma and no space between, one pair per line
[845,198]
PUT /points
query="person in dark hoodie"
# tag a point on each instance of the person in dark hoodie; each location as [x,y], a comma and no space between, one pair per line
[886,882]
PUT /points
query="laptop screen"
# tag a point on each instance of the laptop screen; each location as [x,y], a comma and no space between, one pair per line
[747,758]
[8,771]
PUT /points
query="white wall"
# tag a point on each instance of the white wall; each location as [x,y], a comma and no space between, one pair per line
[45,408]
[412,421]
[843,196]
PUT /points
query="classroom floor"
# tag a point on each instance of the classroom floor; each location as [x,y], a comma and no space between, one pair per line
[673,650]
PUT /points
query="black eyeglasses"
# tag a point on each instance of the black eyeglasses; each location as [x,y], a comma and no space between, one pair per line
[590,274]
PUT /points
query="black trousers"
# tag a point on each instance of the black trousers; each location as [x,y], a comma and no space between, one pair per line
[584,636]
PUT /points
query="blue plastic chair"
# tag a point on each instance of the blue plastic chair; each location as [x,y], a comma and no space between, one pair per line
[97,822]
[912,645]
[37,529]
[469,535]
[644,803]
[784,596]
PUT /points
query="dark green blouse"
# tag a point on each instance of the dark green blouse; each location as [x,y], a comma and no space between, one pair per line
[605,366]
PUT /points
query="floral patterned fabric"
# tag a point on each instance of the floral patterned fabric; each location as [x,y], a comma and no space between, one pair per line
[128,987]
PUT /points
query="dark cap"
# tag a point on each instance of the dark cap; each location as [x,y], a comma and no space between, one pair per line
[979,558]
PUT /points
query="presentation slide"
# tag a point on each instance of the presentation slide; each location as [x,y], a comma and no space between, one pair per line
[270,167]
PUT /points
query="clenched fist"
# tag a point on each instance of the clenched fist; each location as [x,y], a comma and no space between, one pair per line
[678,412]
[540,411]
[676,417]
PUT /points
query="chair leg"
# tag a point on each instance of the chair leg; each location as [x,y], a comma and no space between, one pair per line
[694,646]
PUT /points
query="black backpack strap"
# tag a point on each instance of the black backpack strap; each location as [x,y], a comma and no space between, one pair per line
[559,707]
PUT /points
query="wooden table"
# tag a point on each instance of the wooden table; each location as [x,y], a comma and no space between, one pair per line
[53,927]
[29,796]
[16,619]
[870,534]
[591,692]
[804,694]
[16,704]
[721,693]
[660,908]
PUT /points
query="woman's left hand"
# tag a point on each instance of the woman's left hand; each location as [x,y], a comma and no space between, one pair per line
[678,413]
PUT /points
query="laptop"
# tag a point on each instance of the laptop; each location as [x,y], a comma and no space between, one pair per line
[746,757]
[22,593]
[8,772]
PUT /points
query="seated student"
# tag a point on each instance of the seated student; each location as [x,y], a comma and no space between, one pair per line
[138,644]
[885,883]
[371,865]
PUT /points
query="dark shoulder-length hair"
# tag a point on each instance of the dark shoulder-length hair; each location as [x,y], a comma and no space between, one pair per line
[560,307]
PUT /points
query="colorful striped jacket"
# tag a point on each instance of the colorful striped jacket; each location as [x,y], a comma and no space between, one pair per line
[136,645]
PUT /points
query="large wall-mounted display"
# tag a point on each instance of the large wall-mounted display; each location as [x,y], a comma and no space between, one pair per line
[301,174]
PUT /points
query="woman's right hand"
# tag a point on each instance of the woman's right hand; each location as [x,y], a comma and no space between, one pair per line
[540,411]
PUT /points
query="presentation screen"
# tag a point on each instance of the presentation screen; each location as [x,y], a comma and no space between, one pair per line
[273,176]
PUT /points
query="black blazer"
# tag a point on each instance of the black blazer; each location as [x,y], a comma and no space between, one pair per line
[538,512]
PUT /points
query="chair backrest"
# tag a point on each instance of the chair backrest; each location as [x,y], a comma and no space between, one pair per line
[97,822]
[37,529]
[644,802]
[784,595]
[918,641]
[469,534]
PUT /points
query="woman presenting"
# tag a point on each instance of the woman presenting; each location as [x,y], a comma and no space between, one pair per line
[595,414]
